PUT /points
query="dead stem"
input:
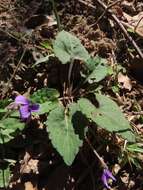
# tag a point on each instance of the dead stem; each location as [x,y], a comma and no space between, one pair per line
[103,164]
[16,69]
[135,29]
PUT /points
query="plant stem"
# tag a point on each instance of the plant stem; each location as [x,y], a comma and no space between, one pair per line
[69,76]
[3,179]
[104,165]
[56,15]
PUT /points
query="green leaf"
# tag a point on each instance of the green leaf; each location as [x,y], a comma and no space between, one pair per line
[6,135]
[98,69]
[98,74]
[46,107]
[44,94]
[14,113]
[6,174]
[131,30]
[4,103]
[108,115]
[46,44]
[86,107]
[13,123]
[92,63]
[135,161]
[9,127]
[3,110]
[42,60]
[115,89]
[62,135]
[67,47]
[135,148]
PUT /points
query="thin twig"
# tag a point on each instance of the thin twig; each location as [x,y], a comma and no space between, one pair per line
[17,67]
[137,113]
[114,17]
[135,29]
[4,7]
[9,34]
[105,11]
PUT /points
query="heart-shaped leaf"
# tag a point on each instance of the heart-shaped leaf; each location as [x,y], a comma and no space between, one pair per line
[62,135]
[67,47]
[108,115]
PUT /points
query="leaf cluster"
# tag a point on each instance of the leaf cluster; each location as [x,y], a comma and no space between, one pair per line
[64,123]
[70,113]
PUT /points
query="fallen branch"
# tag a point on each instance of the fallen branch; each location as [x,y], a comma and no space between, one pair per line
[114,17]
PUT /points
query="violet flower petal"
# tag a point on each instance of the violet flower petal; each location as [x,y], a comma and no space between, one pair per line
[34,107]
[106,176]
[109,175]
[24,112]
[22,100]
[105,181]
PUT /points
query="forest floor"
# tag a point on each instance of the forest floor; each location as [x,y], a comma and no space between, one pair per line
[114,32]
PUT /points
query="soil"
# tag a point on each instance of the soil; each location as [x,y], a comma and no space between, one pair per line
[24,25]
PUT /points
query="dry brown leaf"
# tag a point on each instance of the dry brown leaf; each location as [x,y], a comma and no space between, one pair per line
[116,168]
[135,22]
[28,186]
[125,81]
[52,21]
[39,20]
[129,6]
[127,181]
[29,165]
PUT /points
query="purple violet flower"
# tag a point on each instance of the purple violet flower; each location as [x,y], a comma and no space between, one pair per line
[106,176]
[25,107]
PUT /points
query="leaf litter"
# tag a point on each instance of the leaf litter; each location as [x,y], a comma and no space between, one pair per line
[105,40]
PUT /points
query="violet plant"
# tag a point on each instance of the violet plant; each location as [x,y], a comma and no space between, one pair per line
[62,109]
[66,108]
[92,70]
